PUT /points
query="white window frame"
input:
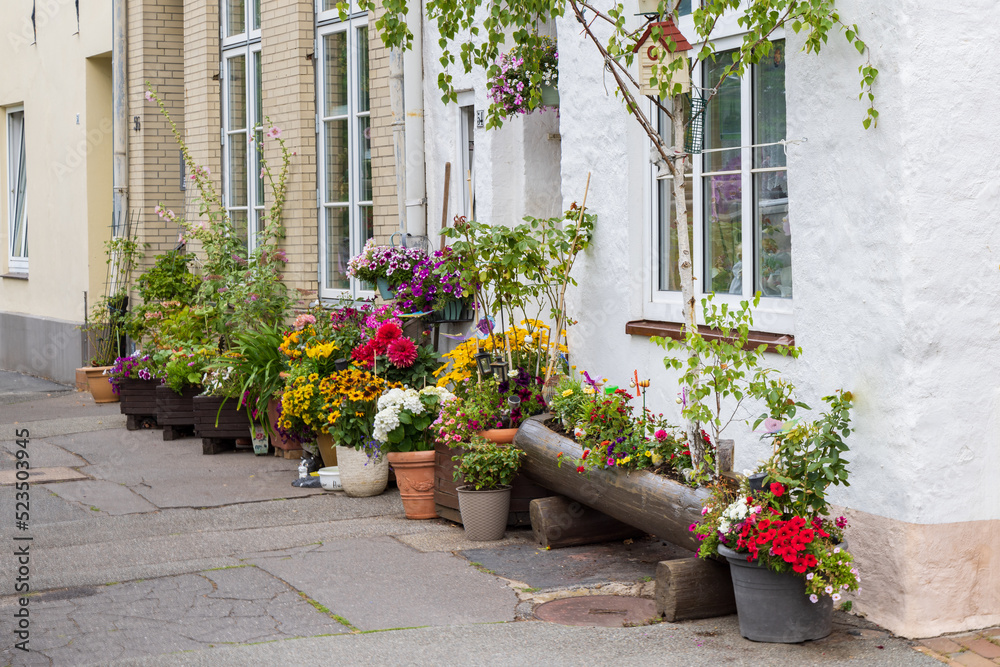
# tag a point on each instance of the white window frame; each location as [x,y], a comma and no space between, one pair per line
[354,204]
[774,315]
[467,167]
[17,258]
[247,45]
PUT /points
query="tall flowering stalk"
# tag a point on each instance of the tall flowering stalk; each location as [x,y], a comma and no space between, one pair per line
[245,286]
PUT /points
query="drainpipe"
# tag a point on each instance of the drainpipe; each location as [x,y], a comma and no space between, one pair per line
[119,86]
[413,96]
[397,109]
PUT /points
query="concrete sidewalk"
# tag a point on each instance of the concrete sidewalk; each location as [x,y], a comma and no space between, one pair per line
[152,553]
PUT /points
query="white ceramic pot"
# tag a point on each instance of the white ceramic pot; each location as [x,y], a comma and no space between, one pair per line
[329,478]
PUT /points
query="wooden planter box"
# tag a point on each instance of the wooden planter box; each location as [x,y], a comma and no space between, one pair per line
[233,423]
[138,403]
[650,502]
[175,412]
[523,490]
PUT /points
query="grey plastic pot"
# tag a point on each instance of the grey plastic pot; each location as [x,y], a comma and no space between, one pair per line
[773,606]
[484,513]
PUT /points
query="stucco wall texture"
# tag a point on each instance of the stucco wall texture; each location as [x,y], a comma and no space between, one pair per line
[895,288]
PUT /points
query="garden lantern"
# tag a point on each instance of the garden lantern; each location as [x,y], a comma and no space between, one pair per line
[661,52]
[483,360]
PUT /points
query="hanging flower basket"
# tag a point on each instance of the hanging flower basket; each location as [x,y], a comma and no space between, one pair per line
[526,79]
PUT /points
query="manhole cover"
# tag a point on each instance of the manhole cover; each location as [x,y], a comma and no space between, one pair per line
[605,611]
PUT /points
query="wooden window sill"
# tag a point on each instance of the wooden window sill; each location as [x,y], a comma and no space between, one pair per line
[14,276]
[674,330]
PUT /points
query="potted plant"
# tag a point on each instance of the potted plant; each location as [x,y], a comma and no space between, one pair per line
[384,266]
[183,373]
[488,468]
[787,557]
[106,340]
[435,286]
[524,79]
[402,427]
[397,358]
[349,403]
[258,365]
[134,379]
[718,375]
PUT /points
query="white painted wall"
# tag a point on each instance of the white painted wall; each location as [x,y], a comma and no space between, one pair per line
[896,280]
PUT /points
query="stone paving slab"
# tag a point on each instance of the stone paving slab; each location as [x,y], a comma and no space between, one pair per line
[53,427]
[42,476]
[707,643]
[101,496]
[42,406]
[43,454]
[176,474]
[452,538]
[46,509]
[182,613]
[629,561]
[378,583]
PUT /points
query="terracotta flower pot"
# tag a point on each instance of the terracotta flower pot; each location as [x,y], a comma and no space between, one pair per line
[327,449]
[501,436]
[100,385]
[415,478]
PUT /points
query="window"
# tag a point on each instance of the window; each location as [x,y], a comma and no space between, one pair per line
[242,116]
[17,215]
[738,190]
[346,214]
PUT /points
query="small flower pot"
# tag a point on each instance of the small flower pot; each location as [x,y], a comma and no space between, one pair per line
[454,310]
[327,449]
[329,479]
[484,513]
[756,481]
[773,606]
[501,436]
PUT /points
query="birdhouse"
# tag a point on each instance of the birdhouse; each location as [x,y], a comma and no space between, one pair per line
[661,52]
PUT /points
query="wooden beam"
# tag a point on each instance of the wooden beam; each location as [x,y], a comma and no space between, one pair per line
[557,522]
[689,588]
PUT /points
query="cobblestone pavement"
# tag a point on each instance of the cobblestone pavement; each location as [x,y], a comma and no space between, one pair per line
[970,649]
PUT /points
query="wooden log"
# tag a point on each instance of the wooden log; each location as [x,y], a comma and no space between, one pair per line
[650,502]
[557,522]
[690,588]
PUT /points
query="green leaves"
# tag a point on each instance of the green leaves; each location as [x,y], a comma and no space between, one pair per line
[487,465]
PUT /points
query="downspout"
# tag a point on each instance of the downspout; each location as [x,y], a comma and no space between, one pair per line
[413,104]
[119,87]
[397,109]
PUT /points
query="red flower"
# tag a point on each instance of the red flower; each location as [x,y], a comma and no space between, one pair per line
[799,566]
[364,355]
[579,468]
[777,489]
[389,331]
[586,452]
[402,352]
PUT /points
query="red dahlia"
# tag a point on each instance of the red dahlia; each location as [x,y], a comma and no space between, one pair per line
[402,352]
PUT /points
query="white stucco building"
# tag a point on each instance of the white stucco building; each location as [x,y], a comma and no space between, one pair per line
[874,250]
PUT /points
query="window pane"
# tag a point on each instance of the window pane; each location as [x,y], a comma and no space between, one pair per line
[335,74]
[237,93]
[774,236]
[365,156]
[769,107]
[239,220]
[723,234]
[362,51]
[684,8]
[235,17]
[367,224]
[260,217]
[18,180]
[668,279]
[258,100]
[722,115]
[255,15]
[338,247]
[237,169]
[258,167]
[337,165]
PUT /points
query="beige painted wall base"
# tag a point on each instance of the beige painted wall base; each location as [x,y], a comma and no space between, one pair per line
[924,580]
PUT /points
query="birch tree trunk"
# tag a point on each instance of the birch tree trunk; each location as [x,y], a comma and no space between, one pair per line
[684,263]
